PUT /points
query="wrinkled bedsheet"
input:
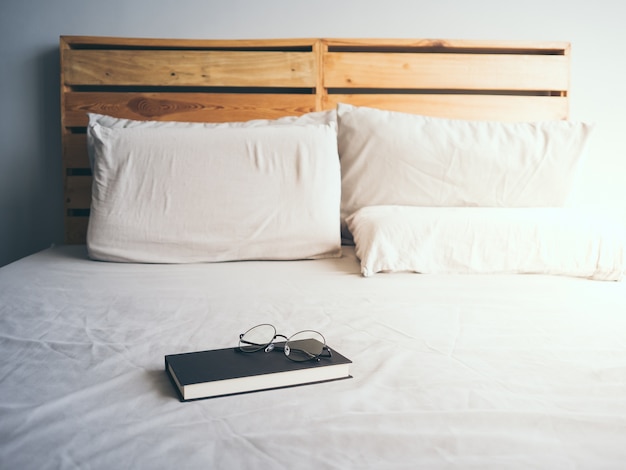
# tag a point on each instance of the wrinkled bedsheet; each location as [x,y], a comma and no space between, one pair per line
[516,371]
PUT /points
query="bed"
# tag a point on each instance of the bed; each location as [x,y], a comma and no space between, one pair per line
[485,319]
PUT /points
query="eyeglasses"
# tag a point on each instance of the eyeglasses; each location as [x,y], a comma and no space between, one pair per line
[306,345]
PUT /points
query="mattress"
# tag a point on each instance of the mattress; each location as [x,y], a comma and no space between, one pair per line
[467,371]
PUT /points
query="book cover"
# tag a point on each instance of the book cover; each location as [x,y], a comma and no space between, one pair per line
[219,372]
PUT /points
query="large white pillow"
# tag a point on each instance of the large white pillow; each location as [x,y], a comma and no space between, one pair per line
[397,158]
[320,117]
[430,240]
[175,195]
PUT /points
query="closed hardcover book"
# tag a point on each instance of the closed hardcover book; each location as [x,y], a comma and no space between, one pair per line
[218,372]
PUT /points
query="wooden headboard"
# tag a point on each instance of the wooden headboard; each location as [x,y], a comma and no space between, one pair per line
[238,80]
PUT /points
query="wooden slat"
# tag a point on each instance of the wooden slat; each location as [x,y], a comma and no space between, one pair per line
[486,107]
[471,45]
[169,43]
[191,107]
[76,230]
[75,151]
[78,192]
[446,71]
[189,68]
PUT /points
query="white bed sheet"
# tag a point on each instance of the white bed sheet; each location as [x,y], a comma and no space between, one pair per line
[516,371]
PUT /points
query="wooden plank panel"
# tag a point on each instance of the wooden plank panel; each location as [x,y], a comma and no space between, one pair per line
[487,107]
[315,64]
[76,230]
[191,107]
[446,71]
[78,192]
[189,68]
[75,151]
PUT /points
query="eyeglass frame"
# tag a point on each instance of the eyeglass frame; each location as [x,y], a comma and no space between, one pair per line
[271,345]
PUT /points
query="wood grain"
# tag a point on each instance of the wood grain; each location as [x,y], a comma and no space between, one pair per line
[446,71]
[190,107]
[189,68]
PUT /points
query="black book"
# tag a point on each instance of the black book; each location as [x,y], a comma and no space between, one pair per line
[218,372]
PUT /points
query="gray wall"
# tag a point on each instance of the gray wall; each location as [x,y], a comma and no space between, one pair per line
[31,213]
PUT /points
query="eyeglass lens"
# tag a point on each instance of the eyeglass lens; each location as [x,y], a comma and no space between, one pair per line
[302,346]
[257,338]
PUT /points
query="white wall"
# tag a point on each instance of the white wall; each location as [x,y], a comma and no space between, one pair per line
[31,206]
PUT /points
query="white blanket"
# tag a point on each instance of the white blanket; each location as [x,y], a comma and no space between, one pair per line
[464,371]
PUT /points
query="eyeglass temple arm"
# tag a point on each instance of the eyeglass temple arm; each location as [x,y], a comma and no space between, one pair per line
[325,349]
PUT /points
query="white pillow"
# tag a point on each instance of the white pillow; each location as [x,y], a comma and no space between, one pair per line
[320,117]
[547,240]
[176,195]
[397,158]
